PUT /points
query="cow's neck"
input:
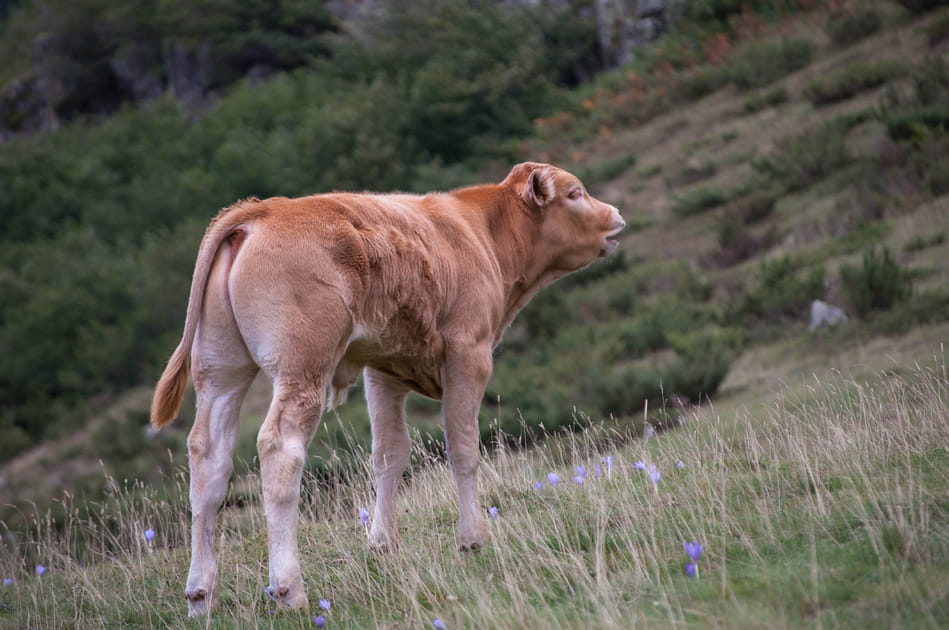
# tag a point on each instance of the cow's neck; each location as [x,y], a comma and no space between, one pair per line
[525,268]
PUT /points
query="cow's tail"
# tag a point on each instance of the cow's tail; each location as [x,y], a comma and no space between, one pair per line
[171,387]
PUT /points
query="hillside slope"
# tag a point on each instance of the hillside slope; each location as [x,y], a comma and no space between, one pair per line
[746,199]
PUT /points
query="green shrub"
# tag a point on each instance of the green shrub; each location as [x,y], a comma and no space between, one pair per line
[938,28]
[847,82]
[691,171]
[721,10]
[761,63]
[545,315]
[803,159]
[781,292]
[919,242]
[698,200]
[878,284]
[700,366]
[699,82]
[917,123]
[848,28]
[606,170]
[921,6]
[764,98]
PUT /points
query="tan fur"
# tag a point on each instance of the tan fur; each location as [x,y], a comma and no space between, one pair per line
[414,290]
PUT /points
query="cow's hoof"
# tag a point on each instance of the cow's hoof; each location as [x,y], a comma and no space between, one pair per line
[198,602]
[289,598]
[472,546]
[380,547]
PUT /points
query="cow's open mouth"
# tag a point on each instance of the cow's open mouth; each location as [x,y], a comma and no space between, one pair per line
[610,243]
[608,246]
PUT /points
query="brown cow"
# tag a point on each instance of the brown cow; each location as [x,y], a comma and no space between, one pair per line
[415,291]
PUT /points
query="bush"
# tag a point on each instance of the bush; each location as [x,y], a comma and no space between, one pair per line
[692,171]
[760,63]
[606,170]
[921,6]
[878,284]
[919,242]
[847,82]
[938,28]
[698,200]
[763,99]
[849,28]
[804,159]
[781,292]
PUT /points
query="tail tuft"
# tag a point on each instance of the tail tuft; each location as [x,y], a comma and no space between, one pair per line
[170,389]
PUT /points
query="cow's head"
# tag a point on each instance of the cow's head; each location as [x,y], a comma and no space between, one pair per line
[575,228]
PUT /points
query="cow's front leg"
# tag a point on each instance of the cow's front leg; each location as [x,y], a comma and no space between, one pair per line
[464,379]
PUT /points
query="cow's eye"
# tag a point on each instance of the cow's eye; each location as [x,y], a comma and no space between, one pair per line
[575,193]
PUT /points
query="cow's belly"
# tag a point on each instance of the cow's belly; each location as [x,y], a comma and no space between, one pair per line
[416,364]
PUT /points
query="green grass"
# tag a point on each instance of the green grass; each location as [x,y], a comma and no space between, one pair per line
[850,80]
[824,508]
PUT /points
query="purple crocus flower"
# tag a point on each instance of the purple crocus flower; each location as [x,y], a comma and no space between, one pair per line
[597,471]
[553,478]
[679,464]
[578,480]
[537,485]
[581,471]
[320,621]
[694,549]
[149,534]
[40,570]
[493,511]
[325,604]
[7,581]
[438,623]
[691,569]
[269,591]
[640,465]
[608,460]
[654,477]
[364,517]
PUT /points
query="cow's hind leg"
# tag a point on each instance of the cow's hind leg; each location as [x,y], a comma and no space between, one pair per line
[390,453]
[281,444]
[223,370]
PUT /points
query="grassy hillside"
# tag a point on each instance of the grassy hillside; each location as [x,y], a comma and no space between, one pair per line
[760,165]
[825,506]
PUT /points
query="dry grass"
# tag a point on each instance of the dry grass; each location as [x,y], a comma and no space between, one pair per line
[827,507]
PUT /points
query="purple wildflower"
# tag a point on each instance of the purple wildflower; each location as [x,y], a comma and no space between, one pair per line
[581,471]
[597,470]
[149,535]
[320,621]
[694,549]
[438,623]
[608,460]
[679,464]
[325,604]
[640,465]
[7,581]
[40,570]
[364,517]
[538,485]
[493,511]
[553,478]
[269,592]
[654,477]
[691,569]
[578,480]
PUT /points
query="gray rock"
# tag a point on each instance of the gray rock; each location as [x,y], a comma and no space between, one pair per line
[824,314]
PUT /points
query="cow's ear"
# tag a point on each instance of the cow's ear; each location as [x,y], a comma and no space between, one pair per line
[539,190]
